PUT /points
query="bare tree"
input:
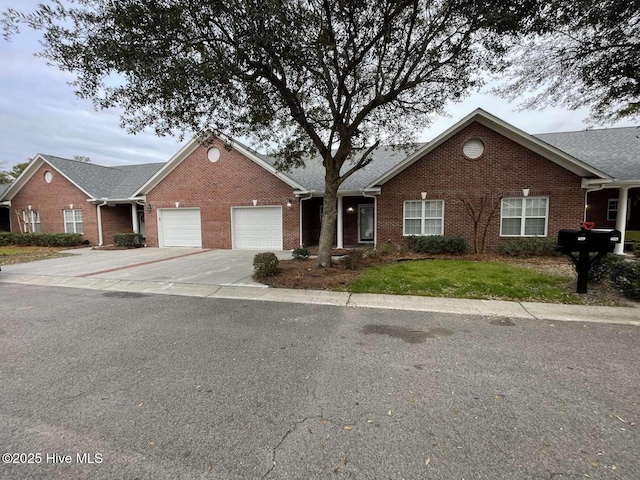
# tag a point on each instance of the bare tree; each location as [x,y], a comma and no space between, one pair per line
[481,214]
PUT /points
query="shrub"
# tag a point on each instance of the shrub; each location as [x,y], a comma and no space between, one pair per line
[265,265]
[530,247]
[625,277]
[453,244]
[352,260]
[41,239]
[300,253]
[381,250]
[128,240]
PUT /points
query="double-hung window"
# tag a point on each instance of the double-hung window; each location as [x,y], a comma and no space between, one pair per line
[73,221]
[423,217]
[524,217]
[612,209]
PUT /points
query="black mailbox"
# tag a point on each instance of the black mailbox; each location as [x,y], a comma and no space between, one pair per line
[595,240]
[586,241]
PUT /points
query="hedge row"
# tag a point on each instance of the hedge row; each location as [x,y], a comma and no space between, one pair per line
[530,247]
[41,239]
[128,240]
[437,244]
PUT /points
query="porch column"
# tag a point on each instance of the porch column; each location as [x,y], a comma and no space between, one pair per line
[621,219]
[340,224]
[134,218]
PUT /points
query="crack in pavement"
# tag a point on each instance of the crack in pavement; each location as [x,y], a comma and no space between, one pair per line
[284,437]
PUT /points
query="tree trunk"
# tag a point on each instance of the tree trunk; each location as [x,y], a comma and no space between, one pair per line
[329,216]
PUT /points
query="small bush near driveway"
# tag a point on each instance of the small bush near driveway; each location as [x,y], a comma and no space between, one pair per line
[265,265]
[128,240]
[300,253]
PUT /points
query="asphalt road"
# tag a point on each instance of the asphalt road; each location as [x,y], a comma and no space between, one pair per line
[171,387]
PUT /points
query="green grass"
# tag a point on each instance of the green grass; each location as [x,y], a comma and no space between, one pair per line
[464,279]
[632,235]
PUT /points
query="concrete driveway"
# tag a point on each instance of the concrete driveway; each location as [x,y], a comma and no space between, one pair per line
[168,265]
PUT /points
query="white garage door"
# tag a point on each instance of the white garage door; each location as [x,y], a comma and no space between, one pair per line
[257,228]
[179,227]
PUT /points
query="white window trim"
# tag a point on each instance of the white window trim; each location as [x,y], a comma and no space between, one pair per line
[75,223]
[615,210]
[522,217]
[422,218]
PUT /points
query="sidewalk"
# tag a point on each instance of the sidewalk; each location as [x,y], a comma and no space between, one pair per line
[485,308]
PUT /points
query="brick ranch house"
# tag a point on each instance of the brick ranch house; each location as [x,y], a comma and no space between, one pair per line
[225,195]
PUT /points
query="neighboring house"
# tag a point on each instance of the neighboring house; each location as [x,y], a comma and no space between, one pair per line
[60,195]
[225,195]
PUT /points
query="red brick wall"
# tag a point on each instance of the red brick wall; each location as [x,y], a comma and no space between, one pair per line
[505,167]
[232,181]
[116,219]
[51,199]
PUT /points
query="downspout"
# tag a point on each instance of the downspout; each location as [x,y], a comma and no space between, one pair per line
[99,215]
[301,200]
[375,216]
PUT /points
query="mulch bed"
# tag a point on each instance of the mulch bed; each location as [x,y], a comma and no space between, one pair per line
[304,274]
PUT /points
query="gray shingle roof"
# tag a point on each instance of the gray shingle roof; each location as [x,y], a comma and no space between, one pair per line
[615,151]
[384,158]
[105,182]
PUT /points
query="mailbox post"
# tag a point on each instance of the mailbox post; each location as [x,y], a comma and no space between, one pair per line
[584,242]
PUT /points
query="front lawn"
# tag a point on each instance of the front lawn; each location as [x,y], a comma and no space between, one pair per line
[12,254]
[464,279]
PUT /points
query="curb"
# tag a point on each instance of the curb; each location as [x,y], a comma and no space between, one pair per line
[461,306]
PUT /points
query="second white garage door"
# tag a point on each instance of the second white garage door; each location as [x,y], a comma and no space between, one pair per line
[179,227]
[257,228]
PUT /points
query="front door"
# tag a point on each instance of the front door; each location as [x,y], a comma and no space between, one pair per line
[366,224]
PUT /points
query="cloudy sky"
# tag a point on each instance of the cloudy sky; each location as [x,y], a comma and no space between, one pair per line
[39,113]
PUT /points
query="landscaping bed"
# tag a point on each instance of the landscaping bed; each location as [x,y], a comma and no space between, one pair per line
[540,279]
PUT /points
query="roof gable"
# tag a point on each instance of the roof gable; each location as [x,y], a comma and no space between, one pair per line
[191,147]
[546,150]
[95,181]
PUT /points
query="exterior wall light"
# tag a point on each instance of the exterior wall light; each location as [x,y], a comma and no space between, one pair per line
[148,207]
[350,209]
[289,204]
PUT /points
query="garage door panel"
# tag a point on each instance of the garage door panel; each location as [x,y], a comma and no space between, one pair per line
[257,228]
[181,227]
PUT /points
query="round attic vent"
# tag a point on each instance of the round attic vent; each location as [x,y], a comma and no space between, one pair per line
[213,154]
[473,148]
[48,176]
